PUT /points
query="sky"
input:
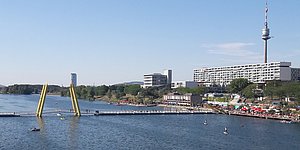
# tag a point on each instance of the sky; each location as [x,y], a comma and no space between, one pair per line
[115,41]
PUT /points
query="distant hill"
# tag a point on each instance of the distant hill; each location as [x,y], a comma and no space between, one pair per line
[132,83]
[1,86]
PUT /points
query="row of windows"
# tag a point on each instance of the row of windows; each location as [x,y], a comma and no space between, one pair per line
[246,66]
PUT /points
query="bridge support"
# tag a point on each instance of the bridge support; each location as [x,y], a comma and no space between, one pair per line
[41,103]
[74,101]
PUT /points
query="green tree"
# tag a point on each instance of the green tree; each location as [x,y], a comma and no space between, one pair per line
[132,89]
[151,92]
[183,90]
[269,91]
[84,93]
[282,89]
[109,95]
[248,91]
[101,90]
[91,93]
[237,85]
[197,90]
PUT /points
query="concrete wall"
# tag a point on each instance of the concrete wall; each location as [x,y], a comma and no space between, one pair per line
[285,73]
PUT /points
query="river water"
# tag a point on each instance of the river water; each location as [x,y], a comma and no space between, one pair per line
[182,132]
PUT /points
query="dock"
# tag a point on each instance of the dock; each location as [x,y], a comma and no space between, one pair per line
[112,112]
[152,112]
[3,114]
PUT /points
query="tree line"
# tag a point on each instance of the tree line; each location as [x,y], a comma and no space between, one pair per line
[27,89]
[133,93]
[125,92]
[272,89]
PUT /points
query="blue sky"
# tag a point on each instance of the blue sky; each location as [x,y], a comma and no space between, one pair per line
[112,41]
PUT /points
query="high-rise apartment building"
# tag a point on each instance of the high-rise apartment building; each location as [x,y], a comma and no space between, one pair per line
[74,79]
[256,73]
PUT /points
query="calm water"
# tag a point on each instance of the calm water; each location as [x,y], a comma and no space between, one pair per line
[182,132]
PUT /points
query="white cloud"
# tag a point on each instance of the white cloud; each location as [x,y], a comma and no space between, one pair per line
[237,52]
[230,49]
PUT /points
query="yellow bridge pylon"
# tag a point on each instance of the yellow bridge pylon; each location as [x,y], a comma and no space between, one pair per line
[41,103]
[74,101]
[40,107]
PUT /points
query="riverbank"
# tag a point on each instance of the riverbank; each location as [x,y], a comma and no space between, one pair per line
[294,119]
[289,118]
[184,107]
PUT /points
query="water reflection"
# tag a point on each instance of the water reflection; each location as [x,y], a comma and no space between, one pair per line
[42,136]
[73,132]
[40,122]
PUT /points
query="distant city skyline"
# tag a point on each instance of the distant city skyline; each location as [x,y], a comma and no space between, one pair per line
[116,41]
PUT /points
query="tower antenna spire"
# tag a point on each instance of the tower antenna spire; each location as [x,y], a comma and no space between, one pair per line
[266,33]
[266,14]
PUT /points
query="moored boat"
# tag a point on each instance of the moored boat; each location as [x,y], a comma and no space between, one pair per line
[285,121]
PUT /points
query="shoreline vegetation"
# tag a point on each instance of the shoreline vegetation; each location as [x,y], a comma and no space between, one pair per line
[286,95]
[135,94]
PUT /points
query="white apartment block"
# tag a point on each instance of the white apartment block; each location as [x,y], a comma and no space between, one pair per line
[256,73]
[187,84]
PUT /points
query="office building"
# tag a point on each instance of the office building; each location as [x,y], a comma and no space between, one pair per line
[154,80]
[158,79]
[295,74]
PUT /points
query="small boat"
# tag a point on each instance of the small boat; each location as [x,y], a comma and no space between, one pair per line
[62,118]
[285,121]
[225,131]
[205,122]
[35,129]
[58,114]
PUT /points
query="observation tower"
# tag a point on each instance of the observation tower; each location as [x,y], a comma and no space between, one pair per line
[266,33]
